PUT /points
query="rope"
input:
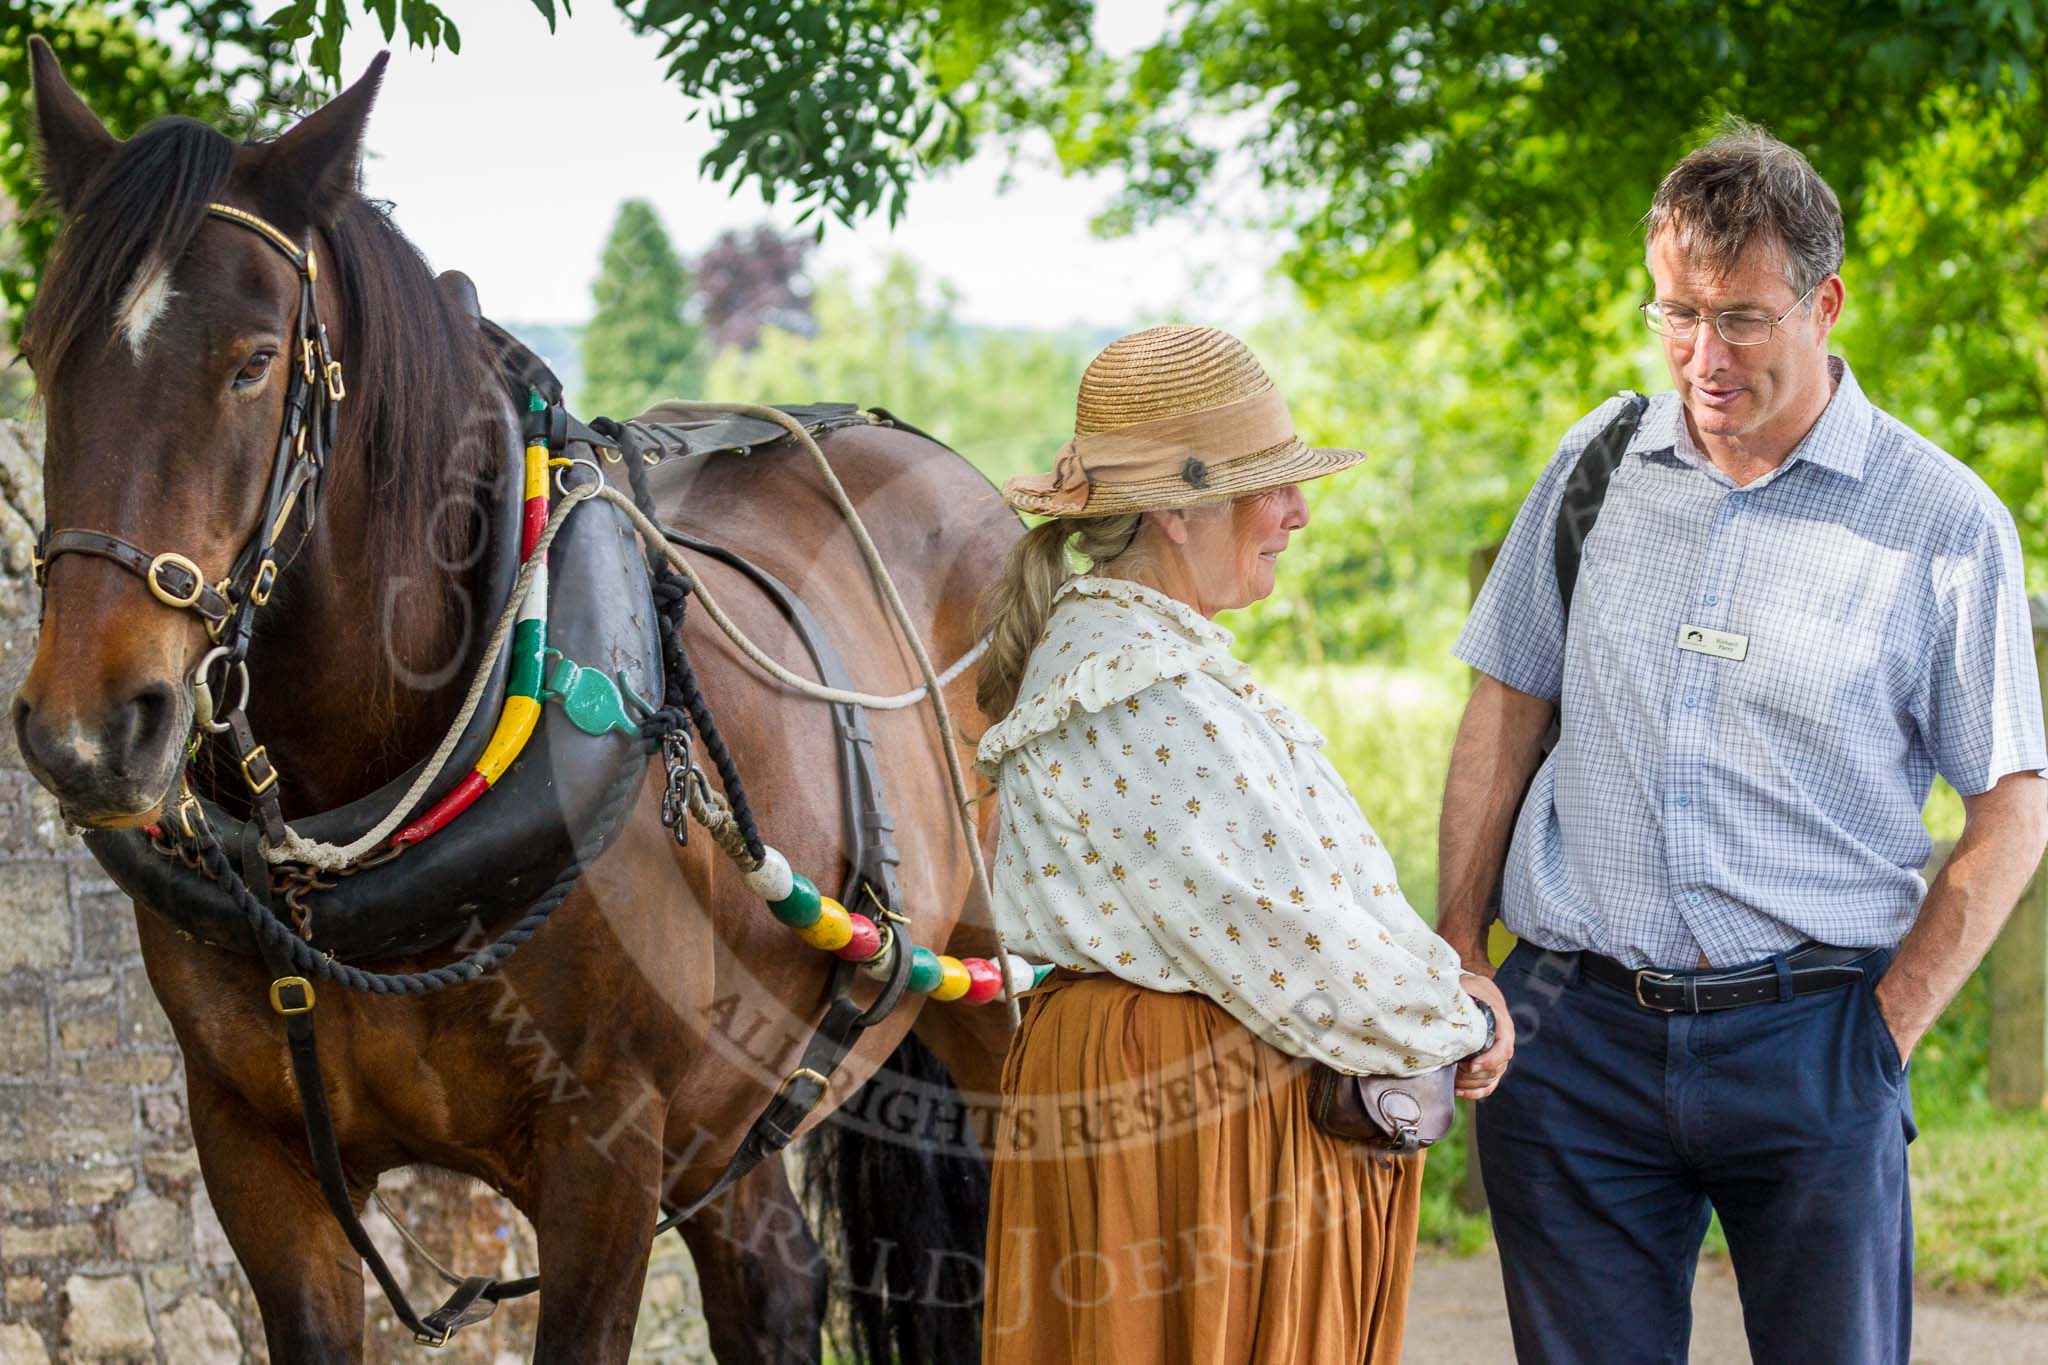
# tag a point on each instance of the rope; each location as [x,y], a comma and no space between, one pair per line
[405,1234]
[328,857]
[963,802]
[816,691]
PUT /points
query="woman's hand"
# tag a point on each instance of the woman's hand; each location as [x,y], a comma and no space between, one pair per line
[1477,1076]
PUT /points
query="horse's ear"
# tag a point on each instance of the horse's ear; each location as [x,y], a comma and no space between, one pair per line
[318,163]
[75,142]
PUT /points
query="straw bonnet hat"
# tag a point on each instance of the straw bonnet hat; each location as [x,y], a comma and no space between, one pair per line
[1170,417]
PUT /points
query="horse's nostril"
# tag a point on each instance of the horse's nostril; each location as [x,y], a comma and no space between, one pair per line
[138,729]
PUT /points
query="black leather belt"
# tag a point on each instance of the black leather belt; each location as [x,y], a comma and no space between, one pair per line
[1817,967]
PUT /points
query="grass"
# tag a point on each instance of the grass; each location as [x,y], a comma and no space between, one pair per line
[1980,1176]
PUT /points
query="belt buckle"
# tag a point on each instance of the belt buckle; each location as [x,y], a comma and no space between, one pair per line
[1661,976]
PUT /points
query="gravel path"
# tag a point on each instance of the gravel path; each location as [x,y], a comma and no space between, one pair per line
[1456,1317]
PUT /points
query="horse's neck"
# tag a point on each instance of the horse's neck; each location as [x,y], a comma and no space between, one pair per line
[361,676]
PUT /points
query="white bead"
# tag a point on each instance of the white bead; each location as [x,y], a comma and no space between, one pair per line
[1018,973]
[772,880]
[882,963]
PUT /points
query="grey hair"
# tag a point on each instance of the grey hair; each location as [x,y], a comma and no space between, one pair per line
[1746,186]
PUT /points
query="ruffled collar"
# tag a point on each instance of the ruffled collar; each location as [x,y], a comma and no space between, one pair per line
[1132,593]
[1110,638]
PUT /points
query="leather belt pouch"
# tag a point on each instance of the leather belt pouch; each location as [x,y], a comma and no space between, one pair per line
[1398,1114]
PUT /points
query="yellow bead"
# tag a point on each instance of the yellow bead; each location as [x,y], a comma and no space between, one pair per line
[953,979]
[831,930]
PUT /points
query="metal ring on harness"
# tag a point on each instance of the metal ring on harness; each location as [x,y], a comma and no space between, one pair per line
[563,464]
[204,708]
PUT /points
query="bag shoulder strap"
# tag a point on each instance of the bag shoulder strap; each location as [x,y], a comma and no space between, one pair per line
[1587,490]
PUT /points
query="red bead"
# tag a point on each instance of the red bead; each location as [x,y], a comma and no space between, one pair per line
[866,940]
[987,980]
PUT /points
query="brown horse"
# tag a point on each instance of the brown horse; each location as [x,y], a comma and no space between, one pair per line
[610,1067]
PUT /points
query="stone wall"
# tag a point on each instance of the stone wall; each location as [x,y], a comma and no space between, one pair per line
[109,1249]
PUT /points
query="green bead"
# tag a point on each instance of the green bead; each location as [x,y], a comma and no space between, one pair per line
[1040,972]
[801,907]
[925,971]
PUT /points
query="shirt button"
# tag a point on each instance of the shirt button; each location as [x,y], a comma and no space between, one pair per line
[1684,801]
[1691,700]
[1713,598]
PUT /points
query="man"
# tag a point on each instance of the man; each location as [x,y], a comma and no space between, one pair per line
[1791,613]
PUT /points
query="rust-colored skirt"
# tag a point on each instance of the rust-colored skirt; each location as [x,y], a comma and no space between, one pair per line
[1161,1194]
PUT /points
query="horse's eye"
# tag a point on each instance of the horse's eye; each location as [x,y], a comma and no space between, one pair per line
[253,372]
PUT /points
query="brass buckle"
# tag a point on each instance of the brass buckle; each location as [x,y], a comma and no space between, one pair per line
[269,780]
[38,567]
[266,578]
[336,390]
[804,1073]
[285,983]
[434,1343]
[165,595]
[306,359]
[1661,976]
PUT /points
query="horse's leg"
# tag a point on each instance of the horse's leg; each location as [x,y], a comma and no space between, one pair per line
[308,1279]
[760,1271]
[593,1205]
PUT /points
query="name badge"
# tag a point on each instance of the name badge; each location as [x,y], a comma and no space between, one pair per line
[1721,644]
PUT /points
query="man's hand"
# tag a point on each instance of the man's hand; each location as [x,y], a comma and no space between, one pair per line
[1477,1076]
[2004,831]
[1904,1039]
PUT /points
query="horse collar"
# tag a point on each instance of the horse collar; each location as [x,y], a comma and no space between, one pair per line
[306,437]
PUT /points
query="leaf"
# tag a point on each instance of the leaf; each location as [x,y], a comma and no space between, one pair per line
[547,11]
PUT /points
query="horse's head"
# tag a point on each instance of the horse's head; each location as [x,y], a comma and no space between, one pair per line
[164,339]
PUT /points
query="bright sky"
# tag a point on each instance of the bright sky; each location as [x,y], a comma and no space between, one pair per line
[576,122]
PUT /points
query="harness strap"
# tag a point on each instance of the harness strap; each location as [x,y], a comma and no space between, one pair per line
[475,1298]
[173,579]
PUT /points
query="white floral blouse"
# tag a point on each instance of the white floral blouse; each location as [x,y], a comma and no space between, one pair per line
[1166,819]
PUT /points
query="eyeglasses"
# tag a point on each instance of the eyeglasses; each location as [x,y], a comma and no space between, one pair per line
[1736,328]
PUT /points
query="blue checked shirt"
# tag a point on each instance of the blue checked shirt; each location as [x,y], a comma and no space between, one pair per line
[1697,805]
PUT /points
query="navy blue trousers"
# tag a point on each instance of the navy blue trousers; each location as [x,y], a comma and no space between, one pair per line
[1617,1129]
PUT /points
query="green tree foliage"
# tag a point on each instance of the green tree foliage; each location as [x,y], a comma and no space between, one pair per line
[835,105]
[641,345]
[1005,400]
[1528,132]
[236,74]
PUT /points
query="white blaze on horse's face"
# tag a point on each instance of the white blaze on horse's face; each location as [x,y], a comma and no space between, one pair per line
[143,305]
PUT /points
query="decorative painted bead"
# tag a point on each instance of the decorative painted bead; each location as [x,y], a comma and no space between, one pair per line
[883,962]
[986,983]
[799,909]
[955,981]
[772,880]
[1021,974]
[925,972]
[832,929]
[866,940]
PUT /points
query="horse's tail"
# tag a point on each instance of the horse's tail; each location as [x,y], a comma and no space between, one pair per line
[899,1181]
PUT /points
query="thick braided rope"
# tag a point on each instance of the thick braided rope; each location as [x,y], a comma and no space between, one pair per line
[671,591]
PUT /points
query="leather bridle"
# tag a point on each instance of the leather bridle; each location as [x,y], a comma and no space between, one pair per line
[227,608]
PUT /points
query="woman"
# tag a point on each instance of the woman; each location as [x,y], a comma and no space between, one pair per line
[1172,836]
